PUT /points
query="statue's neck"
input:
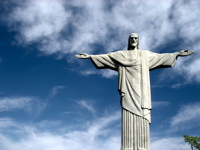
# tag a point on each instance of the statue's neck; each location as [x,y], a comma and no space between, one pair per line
[132,48]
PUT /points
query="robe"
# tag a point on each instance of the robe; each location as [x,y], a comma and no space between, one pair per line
[133,68]
[133,76]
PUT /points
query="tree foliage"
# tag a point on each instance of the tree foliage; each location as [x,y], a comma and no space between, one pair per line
[193,141]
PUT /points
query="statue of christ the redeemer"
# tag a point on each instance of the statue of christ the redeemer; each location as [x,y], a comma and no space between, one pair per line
[133,67]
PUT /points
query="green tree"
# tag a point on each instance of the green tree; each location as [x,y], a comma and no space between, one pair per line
[193,141]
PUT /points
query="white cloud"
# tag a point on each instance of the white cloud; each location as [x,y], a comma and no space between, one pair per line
[188,116]
[189,69]
[186,20]
[156,104]
[106,73]
[169,144]
[99,134]
[13,103]
[6,122]
[92,23]
[88,72]
[100,127]
[143,18]
[64,27]
[31,105]
[41,22]
[94,135]
[55,90]
[87,105]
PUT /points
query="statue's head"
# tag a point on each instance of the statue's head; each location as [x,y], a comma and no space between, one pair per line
[133,41]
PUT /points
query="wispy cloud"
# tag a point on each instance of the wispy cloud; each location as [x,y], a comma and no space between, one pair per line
[94,135]
[65,27]
[6,122]
[106,73]
[88,72]
[100,127]
[13,103]
[88,105]
[165,136]
[53,18]
[156,104]
[30,104]
[189,70]
[189,115]
[55,90]
[169,144]
[100,134]
[40,22]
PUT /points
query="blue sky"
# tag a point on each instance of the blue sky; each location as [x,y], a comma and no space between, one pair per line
[49,100]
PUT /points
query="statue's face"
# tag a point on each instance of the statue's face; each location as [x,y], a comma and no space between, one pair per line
[133,40]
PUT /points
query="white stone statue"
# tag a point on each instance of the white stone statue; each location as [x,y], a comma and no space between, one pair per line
[133,67]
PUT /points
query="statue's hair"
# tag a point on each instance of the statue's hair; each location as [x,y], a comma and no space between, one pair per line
[129,40]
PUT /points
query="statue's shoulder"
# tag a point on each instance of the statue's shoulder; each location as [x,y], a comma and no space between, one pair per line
[118,52]
[146,52]
[123,52]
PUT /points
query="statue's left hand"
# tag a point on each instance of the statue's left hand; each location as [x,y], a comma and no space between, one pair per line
[185,53]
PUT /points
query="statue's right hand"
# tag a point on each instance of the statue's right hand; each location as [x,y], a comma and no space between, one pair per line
[82,56]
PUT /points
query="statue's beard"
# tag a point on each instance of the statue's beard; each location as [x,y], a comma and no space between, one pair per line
[134,44]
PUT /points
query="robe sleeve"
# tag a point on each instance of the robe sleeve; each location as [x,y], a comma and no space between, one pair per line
[104,61]
[161,60]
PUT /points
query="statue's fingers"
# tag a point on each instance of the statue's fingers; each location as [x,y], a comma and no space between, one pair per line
[191,52]
[78,56]
[185,50]
[82,54]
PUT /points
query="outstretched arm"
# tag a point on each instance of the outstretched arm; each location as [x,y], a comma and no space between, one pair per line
[100,61]
[166,59]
